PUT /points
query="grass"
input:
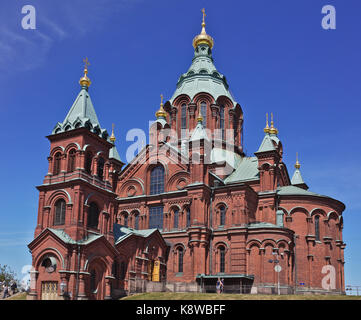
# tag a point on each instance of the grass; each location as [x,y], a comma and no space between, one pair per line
[18,296]
[215,296]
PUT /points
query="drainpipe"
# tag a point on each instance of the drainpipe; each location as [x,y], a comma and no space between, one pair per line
[211,227]
[77,274]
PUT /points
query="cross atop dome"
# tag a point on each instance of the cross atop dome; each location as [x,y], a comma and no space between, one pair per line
[203,37]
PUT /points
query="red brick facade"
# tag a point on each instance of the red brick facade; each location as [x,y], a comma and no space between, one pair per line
[219,212]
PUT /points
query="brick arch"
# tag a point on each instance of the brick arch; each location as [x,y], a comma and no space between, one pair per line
[286,213]
[148,170]
[200,96]
[317,211]
[221,243]
[333,213]
[171,183]
[299,209]
[71,146]
[38,259]
[58,194]
[225,101]
[254,242]
[179,245]
[60,149]
[269,242]
[181,99]
[133,182]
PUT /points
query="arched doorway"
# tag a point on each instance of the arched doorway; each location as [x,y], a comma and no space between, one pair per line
[97,271]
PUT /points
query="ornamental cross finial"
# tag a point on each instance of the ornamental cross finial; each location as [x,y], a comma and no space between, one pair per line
[161,99]
[204,14]
[86,63]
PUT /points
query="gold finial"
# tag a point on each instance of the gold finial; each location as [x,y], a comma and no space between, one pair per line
[297,165]
[161,112]
[272,130]
[200,117]
[204,15]
[112,137]
[266,129]
[203,37]
[85,81]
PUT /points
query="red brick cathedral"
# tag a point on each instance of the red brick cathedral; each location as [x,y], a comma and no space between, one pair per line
[191,207]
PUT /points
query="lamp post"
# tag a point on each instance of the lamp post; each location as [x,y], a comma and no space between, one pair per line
[278,269]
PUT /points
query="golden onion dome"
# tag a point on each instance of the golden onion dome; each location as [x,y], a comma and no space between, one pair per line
[297,165]
[272,130]
[200,117]
[84,80]
[112,137]
[266,129]
[161,112]
[203,37]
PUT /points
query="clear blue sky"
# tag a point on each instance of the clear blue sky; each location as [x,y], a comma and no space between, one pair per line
[275,55]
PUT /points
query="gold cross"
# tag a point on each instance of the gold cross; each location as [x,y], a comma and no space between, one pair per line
[204,13]
[161,99]
[86,63]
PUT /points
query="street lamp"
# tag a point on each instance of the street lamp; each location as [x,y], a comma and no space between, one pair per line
[278,269]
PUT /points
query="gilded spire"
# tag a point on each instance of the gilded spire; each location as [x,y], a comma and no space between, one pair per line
[85,81]
[161,112]
[200,117]
[297,165]
[112,137]
[266,129]
[203,37]
[272,130]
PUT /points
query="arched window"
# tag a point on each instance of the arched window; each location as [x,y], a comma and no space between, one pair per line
[100,169]
[93,280]
[71,160]
[222,220]
[125,223]
[221,120]
[176,219]
[59,212]
[188,217]
[88,162]
[222,260]
[122,270]
[204,113]
[57,162]
[157,180]
[93,216]
[183,119]
[317,227]
[180,259]
[136,221]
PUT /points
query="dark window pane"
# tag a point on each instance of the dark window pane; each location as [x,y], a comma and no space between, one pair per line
[204,113]
[100,171]
[157,180]
[222,253]
[223,215]
[93,216]
[188,211]
[57,161]
[180,260]
[176,218]
[317,227]
[59,212]
[156,217]
[136,223]
[221,120]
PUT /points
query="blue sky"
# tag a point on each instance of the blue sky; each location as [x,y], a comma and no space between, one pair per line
[275,55]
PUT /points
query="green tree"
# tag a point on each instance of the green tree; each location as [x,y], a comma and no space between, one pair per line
[6,274]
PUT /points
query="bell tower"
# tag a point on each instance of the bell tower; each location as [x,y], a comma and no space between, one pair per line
[77,195]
